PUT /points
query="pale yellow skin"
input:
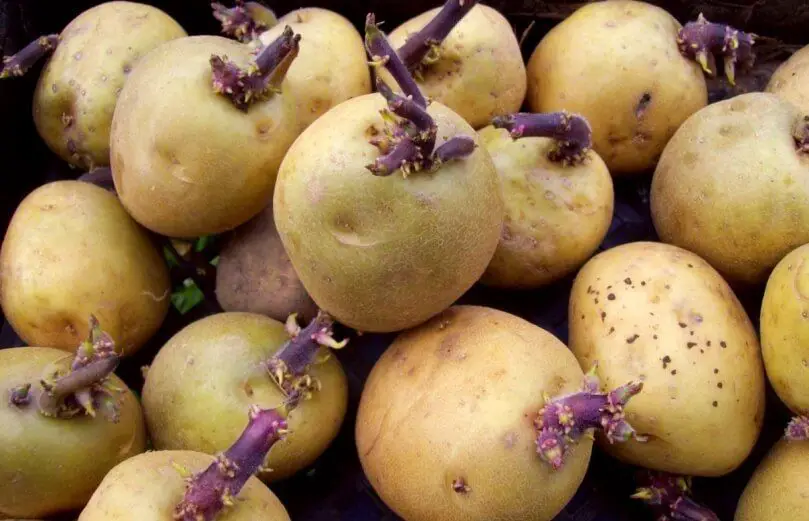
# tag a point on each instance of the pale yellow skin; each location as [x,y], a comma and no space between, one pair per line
[50,465]
[633,306]
[790,81]
[331,66]
[480,73]
[185,161]
[455,399]
[556,215]
[777,489]
[617,64]
[202,382]
[72,251]
[384,253]
[785,330]
[76,94]
[148,487]
[732,188]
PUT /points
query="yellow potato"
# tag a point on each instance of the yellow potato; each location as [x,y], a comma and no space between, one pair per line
[656,312]
[790,80]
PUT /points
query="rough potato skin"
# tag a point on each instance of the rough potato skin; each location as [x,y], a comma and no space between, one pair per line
[149,486]
[255,274]
[453,401]
[791,79]
[70,251]
[382,254]
[617,64]
[785,330]
[732,188]
[204,379]
[185,161]
[480,74]
[656,312]
[332,65]
[48,466]
[556,215]
[76,94]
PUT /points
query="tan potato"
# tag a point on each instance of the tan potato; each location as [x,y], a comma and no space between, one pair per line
[72,251]
[332,65]
[733,188]
[77,91]
[617,64]
[656,312]
[556,215]
[790,80]
[255,274]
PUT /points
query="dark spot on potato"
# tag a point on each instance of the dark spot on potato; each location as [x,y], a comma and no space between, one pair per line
[702,351]
[643,104]
[723,344]
[611,296]
[690,265]
[627,281]
[248,389]
[612,330]
[673,372]
[643,283]
[603,315]
[460,486]
[715,403]
[595,300]
[690,344]
[449,345]
[666,361]
[582,316]
[632,339]
[682,324]
[609,287]
[654,336]
[127,68]
[708,343]
[667,286]
[719,385]
[716,371]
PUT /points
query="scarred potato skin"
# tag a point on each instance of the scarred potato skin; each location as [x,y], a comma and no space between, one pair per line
[72,251]
[332,65]
[791,79]
[77,91]
[185,161]
[556,215]
[455,399]
[384,253]
[480,74]
[617,64]
[656,312]
[204,379]
[49,466]
[149,486]
[732,188]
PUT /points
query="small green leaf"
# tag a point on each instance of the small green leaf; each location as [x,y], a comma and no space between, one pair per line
[215,261]
[171,259]
[187,297]
[203,242]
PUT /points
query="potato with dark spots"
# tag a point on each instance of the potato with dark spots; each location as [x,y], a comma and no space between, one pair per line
[71,251]
[733,185]
[790,81]
[659,313]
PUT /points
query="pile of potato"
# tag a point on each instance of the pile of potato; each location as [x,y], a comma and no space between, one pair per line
[298,181]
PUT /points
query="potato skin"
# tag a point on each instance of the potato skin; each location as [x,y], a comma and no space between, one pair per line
[185,161]
[78,88]
[382,254]
[149,486]
[455,398]
[49,466]
[331,66]
[70,251]
[656,312]
[480,74]
[556,215]
[617,64]
[790,81]
[732,188]
[202,382]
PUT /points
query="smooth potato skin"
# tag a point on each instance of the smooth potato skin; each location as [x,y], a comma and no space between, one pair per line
[785,329]
[48,466]
[617,64]
[731,187]
[70,251]
[185,161]
[382,254]
[206,377]
[456,398]
[480,74]
[331,66]
[556,215]
[77,91]
[149,486]
[790,81]
[636,304]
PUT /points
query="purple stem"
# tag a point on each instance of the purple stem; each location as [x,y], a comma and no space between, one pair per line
[101,176]
[18,64]
[797,429]
[244,22]
[455,148]
[669,497]
[572,132]
[431,35]
[210,491]
[407,108]
[405,154]
[381,51]
[702,40]
[52,401]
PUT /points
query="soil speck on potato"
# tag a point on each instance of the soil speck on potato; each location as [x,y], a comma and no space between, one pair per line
[690,344]
[666,361]
[716,371]
[682,324]
[720,385]
[632,338]
[673,372]
[715,403]
[603,315]
[723,344]
[611,296]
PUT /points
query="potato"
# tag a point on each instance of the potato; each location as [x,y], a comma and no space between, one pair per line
[617,63]
[255,275]
[78,88]
[732,186]
[789,81]
[72,251]
[659,313]
[331,67]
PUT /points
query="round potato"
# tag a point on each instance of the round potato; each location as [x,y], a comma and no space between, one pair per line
[658,313]
[72,251]
[733,187]
[790,80]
